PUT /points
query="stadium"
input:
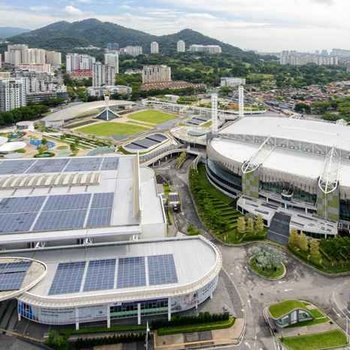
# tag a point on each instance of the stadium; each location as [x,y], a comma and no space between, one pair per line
[103,282]
[295,173]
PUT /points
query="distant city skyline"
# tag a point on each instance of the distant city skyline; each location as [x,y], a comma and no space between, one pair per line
[303,25]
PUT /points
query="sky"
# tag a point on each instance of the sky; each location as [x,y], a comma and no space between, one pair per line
[263,25]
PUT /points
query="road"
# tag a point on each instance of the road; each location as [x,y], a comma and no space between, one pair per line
[301,282]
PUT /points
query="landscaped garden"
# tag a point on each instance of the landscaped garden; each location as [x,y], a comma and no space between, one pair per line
[326,340]
[111,129]
[151,116]
[218,212]
[267,262]
[328,255]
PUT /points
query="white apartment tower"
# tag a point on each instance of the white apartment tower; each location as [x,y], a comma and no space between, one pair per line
[154,47]
[75,62]
[54,58]
[12,94]
[102,75]
[181,46]
[17,54]
[156,74]
[112,59]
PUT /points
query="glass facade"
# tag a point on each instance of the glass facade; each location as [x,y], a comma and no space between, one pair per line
[345,209]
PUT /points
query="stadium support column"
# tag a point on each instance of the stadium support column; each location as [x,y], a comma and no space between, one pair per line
[328,204]
[214,113]
[138,313]
[241,101]
[169,309]
[250,184]
[108,316]
[76,318]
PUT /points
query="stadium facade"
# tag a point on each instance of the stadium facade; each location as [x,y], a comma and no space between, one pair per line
[293,166]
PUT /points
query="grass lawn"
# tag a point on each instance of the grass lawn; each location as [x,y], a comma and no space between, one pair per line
[153,117]
[284,307]
[110,129]
[197,328]
[269,274]
[325,340]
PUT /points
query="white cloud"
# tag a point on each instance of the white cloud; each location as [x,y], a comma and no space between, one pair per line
[72,11]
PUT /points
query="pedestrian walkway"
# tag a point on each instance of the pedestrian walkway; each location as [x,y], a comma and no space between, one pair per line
[317,328]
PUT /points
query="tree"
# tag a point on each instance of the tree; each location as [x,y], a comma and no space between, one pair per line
[259,224]
[315,249]
[250,225]
[241,225]
[44,141]
[303,242]
[293,238]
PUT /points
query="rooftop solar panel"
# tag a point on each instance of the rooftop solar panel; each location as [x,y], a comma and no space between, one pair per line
[100,275]
[135,146]
[21,204]
[84,164]
[102,200]
[99,217]
[15,166]
[157,137]
[68,278]
[60,220]
[161,269]
[11,281]
[131,272]
[48,166]
[68,201]
[110,163]
[18,222]
[20,266]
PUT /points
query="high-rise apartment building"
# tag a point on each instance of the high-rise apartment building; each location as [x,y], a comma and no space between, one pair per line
[156,74]
[112,59]
[36,56]
[77,62]
[131,50]
[54,58]
[181,46]
[12,94]
[154,47]
[211,49]
[17,54]
[102,74]
[296,58]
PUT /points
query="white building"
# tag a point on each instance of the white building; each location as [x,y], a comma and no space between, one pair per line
[232,82]
[181,46]
[211,49]
[154,47]
[54,58]
[17,54]
[112,59]
[132,50]
[102,74]
[296,58]
[35,67]
[36,56]
[12,94]
[77,62]
[155,74]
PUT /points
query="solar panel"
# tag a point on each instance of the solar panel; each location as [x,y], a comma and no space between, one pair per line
[110,163]
[65,202]
[84,164]
[18,222]
[161,269]
[157,137]
[102,200]
[20,266]
[48,166]
[100,275]
[11,281]
[99,217]
[21,204]
[60,220]
[68,278]
[131,272]
[15,166]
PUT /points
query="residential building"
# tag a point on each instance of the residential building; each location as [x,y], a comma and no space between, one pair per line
[36,56]
[181,46]
[35,67]
[296,58]
[154,47]
[232,82]
[75,62]
[131,50]
[54,58]
[156,74]
[112,46]
[17,54]
[112,59]
[12,94]
[102,74]
[211,49]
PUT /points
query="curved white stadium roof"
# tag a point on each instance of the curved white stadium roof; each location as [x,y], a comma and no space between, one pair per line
[318,132]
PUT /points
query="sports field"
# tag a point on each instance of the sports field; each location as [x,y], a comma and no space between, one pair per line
[110,129]
[152,116]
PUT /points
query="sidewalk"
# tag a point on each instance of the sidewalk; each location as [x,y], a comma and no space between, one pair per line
[318,328]
[201,340]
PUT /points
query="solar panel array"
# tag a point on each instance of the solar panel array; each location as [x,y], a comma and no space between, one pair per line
[55,165]
[57,212]
[12,275]
[106,274]
[197,120]
[147,142]
[161,269]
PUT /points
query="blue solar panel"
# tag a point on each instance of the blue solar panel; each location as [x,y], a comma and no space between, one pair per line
[102,200]
[99,217]
[68,278]
[15,166]
[11,281]
[20,266]
[60,220]
[65,202]
[110,163]
[100,275]
[18,222]
[84,164]
[161,269]
[48,166]
[131,272]
[21,204]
